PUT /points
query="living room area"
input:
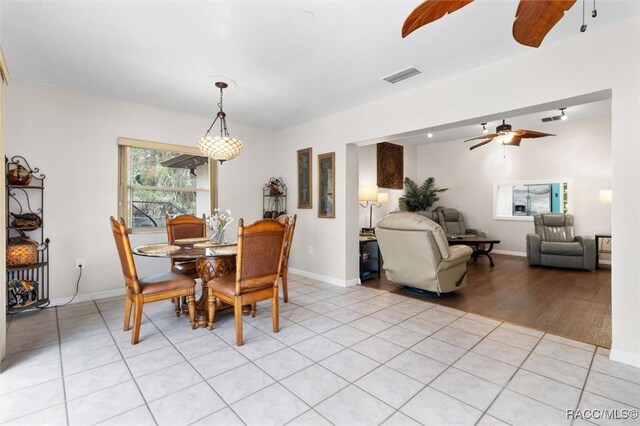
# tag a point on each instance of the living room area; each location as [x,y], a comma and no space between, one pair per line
[85,84]
[576,156]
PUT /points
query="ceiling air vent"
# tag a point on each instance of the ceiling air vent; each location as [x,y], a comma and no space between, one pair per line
[402,75]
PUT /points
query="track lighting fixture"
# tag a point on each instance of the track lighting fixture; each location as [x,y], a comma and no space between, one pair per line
[563,116]
[484,128]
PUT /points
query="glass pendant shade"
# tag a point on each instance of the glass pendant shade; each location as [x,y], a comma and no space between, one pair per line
[220,148]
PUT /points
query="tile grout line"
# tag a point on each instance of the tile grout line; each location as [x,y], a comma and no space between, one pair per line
[171,343]
[321,366]
[505,386]
[129,370]
[584,385]
[381,364]
[64,386]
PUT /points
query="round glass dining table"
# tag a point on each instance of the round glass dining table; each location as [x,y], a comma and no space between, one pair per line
[211,261]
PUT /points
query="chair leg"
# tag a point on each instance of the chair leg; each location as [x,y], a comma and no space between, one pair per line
[285,289]
[212,310]
[177,305]
[237,311]
[137,319]
[275,312]
[191,304]
[127,313]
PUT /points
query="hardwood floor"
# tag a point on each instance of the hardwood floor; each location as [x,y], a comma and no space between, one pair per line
[569,303]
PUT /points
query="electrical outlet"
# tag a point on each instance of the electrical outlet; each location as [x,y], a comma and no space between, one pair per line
[310,249]
[79,264]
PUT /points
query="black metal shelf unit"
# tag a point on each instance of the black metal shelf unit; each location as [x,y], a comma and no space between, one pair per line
[26,199]
[369,258]
[274,198]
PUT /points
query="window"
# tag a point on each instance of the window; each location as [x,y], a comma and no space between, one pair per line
[520,200]
[157,179]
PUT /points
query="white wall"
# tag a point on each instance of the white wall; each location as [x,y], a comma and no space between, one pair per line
[608,58]
[581,151]
[72,138]
[368,166]
[3,270]
[317,249]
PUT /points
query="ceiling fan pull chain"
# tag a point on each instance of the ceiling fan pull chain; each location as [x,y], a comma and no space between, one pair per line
[594,12]
[583,28]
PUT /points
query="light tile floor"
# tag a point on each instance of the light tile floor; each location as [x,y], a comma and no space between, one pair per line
[343,356]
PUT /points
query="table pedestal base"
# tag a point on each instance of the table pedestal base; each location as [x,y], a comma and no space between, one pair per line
[207,270]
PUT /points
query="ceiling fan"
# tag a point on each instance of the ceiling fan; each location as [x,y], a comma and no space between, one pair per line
[506,136]
[533,20]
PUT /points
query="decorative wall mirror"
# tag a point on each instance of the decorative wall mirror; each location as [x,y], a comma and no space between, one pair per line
[520,200]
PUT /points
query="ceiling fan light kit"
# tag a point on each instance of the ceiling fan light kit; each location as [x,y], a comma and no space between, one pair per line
[504,135]
[221,148]
[533,18]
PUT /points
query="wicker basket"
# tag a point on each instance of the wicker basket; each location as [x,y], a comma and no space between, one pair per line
[21,251]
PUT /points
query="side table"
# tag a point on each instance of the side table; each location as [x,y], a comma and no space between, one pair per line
[599,237]
[369,258]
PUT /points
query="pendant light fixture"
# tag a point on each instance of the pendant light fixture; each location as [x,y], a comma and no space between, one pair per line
[221,148]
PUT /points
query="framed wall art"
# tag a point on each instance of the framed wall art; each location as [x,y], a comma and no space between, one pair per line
[305,187]
[327,185]
[390,165]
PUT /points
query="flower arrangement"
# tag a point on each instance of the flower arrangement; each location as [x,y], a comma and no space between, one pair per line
[218,223]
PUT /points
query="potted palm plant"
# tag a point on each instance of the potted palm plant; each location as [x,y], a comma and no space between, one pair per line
[419,198]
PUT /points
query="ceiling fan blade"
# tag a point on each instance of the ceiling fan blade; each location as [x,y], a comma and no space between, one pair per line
[487,136]
[480,144]
[429,11]
[523,133]
[535,18]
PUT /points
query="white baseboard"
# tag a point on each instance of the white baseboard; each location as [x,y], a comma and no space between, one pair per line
[88,296]
[325,279]
[510,253]
[625,357]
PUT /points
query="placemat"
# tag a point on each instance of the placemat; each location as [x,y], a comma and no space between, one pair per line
[226,250]
[159,249]
[191,240]
[209,244]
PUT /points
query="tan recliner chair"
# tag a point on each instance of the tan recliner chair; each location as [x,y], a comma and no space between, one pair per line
[416,254]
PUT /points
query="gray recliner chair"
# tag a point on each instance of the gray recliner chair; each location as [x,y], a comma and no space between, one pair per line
[416,254]
[555,244]
[452,221]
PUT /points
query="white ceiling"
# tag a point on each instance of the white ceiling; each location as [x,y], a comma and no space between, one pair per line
[290,66]
[529,121]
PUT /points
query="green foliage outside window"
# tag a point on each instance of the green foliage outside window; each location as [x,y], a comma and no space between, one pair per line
[157,190]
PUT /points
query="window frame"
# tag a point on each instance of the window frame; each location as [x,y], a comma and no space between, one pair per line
[123,184]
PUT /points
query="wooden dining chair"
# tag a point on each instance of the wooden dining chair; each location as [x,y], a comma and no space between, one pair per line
[185,226]
[291,227]
[258,266]
[148,289]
